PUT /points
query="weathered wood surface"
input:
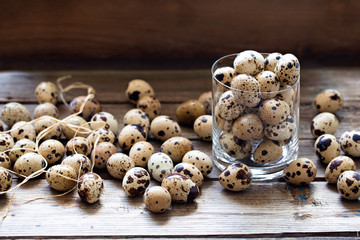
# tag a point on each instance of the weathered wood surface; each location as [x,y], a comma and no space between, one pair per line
[272,209]
[176,29]
[266,209]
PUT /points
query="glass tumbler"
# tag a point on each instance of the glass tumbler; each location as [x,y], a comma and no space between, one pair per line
[259,129]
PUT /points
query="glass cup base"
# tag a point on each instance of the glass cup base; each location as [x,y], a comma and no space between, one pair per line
[265,172]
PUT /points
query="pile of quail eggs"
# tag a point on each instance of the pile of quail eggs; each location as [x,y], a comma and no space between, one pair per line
[79,144]
[255,106]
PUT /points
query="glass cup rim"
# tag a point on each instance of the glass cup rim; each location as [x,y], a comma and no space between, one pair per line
[242,91]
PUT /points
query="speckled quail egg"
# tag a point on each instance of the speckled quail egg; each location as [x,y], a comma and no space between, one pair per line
[287,95]
[268,151]
[327,148]
[176,148]
[47,92]
[234,146]
[101,153]
[350,143]
[61,177]
[101,135]
[46,122]
[348,185]
[130,135]
[138,88]
[160,165]
[164,127]
[223,124]
[140,153]
[203,127]
[271,61]
[225,75]
[247,90]
[157,199]
[274,111]
[181,188]
[135,181]
[46,109]
[5,161]
[268,83]
[118,164]
[200,160]
[139,117]
[5,179]
[104,120]
[21,130]
[281,131]
[20,148]
[228,106]
[75,122]
[337,166]
[29,163]
[14,112]
[190,171]
[249,62]
[6,142]
[236,177]
[78,145]
[300,172]
[248,127]
[80,163]
[189,111]
[150,105]
[52,150]
[324,123]
[329,100]
[90,187]
[91,107]
[287,69]
[206,100]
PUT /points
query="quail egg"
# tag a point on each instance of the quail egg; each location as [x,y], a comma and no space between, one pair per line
[104,120]
[138,88]
[46,109]
[248,127]
[47,92]
[135,181]
[350,143]
[300,172]
[348,185]
[90,187]
[189,111]
[249,62]
[61,177]
[236,177]
[176,148]
[160,165]
[247,90]
[157,199]
[324,123]
[203,127]
[329,100]
[52,150]
[268,151]
[327,148]
[181,188]
[140,153]
[337,166]
[150,105]
[190,171]
[130,135]
[118,164]
[287,69]
[14,112]
[139,117]
[200,160]
[271,61]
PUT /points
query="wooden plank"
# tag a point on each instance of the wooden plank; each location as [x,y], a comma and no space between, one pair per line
[298,212]
[111,85]
[176,30]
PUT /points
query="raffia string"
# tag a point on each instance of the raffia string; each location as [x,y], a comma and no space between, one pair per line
[43,133]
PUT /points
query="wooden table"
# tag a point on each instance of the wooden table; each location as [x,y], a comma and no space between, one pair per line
[267,209]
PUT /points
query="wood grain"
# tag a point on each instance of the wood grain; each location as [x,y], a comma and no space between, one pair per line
[266,209]
[176,29]
[111,84]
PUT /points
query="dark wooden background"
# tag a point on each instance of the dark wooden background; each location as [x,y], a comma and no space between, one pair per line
[183,30]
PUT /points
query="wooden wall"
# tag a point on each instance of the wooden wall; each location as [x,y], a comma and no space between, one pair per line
[176,29]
